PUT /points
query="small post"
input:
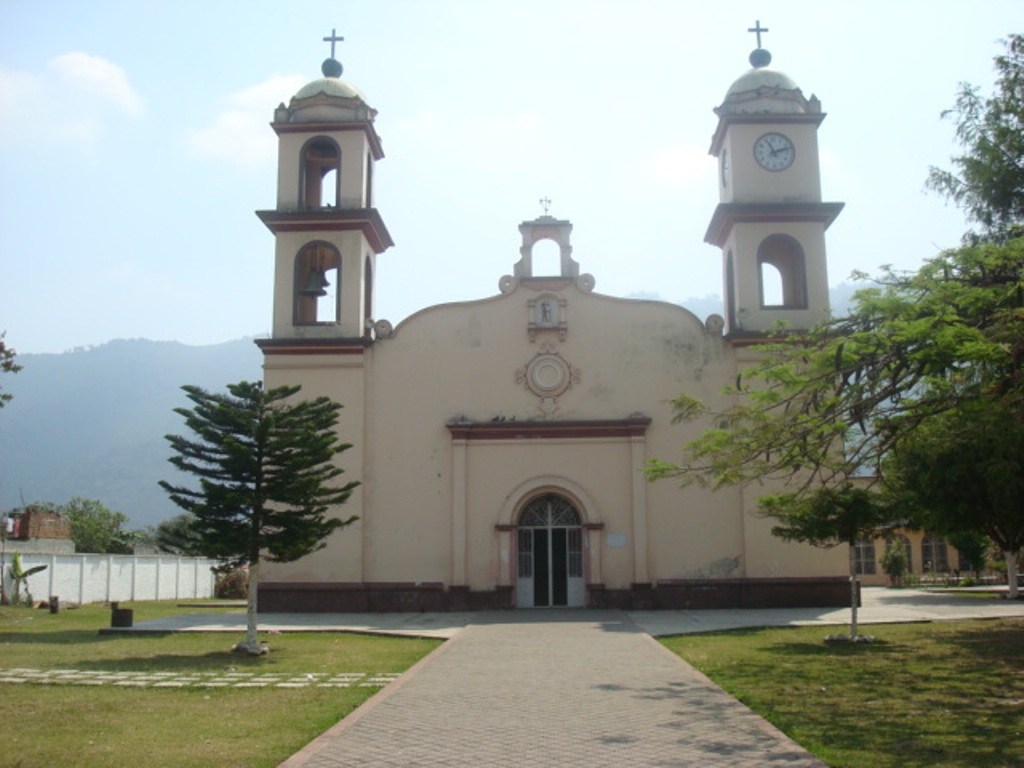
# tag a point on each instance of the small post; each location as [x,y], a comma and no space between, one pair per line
[120,617]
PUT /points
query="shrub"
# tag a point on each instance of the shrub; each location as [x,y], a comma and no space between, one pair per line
[894,561]
[232,584]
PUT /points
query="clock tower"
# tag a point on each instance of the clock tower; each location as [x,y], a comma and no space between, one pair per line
[770,221]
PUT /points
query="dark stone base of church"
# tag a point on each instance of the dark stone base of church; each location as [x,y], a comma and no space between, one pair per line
[694,594]
[315,597]
[381,597]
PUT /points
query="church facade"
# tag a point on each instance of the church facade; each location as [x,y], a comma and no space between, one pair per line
[500,442]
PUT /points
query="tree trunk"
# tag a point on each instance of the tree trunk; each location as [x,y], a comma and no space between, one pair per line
[1011,574]
[251,609]
[853,592]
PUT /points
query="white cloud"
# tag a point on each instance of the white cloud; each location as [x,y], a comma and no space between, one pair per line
[239,134]
[682,165]
[70,101]
[98,77]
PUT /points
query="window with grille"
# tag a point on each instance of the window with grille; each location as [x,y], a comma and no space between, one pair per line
[934,554]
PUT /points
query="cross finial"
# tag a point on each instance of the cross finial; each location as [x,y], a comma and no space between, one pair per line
[756,29]
[335,39]
[545,204]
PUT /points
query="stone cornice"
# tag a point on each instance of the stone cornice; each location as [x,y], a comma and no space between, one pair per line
[728,214]
[548,430]
[366,220]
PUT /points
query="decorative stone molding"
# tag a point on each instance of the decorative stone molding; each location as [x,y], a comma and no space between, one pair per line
[548,375]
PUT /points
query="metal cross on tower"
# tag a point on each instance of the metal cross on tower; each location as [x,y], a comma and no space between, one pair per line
[757,29]
[545,204]
[335,39]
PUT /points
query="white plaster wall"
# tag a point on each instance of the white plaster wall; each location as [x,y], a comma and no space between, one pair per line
[102,578]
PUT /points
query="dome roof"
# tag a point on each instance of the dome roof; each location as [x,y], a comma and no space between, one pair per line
[330,86]
[765,90]
[327,99]
[761,77]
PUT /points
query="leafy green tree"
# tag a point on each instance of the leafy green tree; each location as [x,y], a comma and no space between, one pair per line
[988,180]
[828,517]
[94,528]
[177,535]
[265,467]
[963,472]
[7,365]
[823,406]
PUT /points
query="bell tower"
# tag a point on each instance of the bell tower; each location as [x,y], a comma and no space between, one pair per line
[770,221]
[327,232]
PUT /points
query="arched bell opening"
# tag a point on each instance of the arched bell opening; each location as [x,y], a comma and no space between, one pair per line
[782,274]
[549,553]
[546,256]
[321,173]
[317,285]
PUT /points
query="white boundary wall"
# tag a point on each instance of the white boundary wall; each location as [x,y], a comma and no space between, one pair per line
[103,578]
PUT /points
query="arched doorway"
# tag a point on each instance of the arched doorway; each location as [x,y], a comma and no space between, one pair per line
[549,554]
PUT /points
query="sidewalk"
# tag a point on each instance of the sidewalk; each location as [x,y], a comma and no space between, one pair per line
[880,606]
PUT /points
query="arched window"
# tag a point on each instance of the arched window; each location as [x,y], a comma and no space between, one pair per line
[317,284]
[934,553]
[321,173]
[864,556]
[781,273]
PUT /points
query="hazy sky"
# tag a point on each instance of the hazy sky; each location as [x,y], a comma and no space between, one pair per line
[135,145]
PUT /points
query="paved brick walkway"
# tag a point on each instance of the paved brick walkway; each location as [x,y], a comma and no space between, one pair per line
[553,688]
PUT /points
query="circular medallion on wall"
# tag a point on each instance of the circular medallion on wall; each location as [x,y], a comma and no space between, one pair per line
[548,375]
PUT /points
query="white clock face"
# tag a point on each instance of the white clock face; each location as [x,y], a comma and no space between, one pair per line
[725,167]
[774,152]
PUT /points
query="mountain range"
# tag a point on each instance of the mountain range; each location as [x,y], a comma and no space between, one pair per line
[90,422]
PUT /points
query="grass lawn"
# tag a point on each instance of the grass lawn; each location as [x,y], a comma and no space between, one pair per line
[939,694]
[45,725]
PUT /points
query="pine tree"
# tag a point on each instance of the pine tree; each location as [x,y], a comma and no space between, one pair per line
[265,466]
